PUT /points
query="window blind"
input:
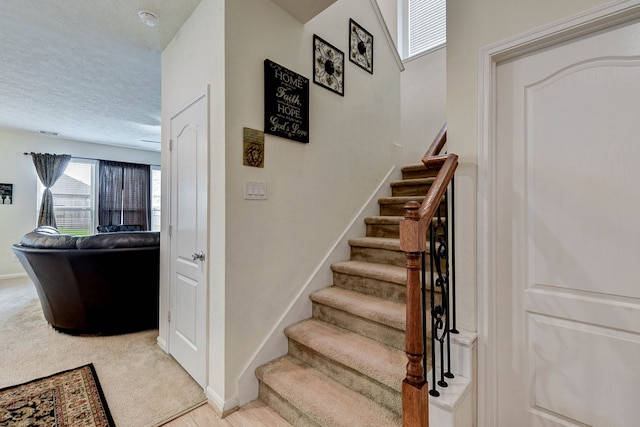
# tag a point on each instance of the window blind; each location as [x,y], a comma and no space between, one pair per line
[427,25]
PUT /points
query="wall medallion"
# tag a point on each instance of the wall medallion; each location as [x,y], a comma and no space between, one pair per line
[253,148]
[360,46]
[328,65]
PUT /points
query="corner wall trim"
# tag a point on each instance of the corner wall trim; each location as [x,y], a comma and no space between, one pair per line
[387,34]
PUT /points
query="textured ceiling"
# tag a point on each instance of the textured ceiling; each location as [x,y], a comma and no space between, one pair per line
[85,69]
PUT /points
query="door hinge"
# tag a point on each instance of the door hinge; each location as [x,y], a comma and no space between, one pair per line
[170,230]
[170,144]
[169,316]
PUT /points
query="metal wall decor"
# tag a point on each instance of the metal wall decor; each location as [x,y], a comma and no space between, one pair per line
[328,65]
[360,46]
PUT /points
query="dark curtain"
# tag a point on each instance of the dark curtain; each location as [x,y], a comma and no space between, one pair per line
[136,206]
[124,194]
[49,167]
[110,192]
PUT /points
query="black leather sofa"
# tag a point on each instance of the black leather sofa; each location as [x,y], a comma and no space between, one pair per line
[101,284]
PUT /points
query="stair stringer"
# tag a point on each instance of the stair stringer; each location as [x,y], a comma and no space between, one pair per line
[275,344]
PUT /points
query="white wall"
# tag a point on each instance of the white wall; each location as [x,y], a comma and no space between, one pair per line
[192,61]
[472,25]
[423,96]
[424,103]
[272,247]
[314,189]
[15,168]
[389,9]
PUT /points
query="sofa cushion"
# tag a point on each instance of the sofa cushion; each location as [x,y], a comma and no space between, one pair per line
[119,228]
[48,240]
[133,239]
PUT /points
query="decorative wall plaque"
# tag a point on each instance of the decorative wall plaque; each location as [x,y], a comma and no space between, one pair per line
[360,46]
[6,194]
[286,103]
[328,65]
[253,149]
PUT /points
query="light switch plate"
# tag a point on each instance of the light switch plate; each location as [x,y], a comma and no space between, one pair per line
[255,190]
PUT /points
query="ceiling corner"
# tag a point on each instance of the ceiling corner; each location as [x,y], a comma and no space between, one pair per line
[304,10]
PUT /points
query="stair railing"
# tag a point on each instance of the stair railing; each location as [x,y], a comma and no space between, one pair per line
[421,220]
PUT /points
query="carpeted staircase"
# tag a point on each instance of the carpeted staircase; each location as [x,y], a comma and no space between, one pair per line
[345,364]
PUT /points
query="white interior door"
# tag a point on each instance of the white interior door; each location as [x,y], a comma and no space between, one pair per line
[568,235]
[189,194]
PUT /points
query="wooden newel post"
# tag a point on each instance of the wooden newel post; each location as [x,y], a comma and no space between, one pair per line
[415,389]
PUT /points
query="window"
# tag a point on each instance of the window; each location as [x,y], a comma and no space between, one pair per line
[155,198]
[124,195]
[423,26]
[74,198]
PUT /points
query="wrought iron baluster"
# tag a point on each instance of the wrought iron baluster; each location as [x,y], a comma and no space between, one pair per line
[434,309]
[444,254]
[439,255]
[452,227]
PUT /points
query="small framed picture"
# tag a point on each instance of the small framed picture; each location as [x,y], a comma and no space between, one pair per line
[360,46]
[6,194]
[328,65]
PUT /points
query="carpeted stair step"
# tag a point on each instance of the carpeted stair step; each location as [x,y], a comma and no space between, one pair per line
[382,250]
[375,318]
[383,226]
[394,206]
[379,280]
[418,171]
[306,397]
[372,369]
[411,187]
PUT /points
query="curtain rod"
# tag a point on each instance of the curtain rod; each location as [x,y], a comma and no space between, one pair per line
[83,158]
[74,157]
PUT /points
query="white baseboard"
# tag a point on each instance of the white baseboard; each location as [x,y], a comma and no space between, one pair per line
[162,343]
[220,406]
[13,276]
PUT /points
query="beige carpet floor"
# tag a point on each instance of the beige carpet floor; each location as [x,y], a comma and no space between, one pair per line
[142,384]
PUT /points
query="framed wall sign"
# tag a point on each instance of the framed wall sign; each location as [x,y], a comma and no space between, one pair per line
[328,65]
[360,46]
[286,103]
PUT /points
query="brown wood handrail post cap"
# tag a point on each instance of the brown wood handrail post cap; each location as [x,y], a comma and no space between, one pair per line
[411,210]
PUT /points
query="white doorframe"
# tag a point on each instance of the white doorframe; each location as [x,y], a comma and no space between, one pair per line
[490,56]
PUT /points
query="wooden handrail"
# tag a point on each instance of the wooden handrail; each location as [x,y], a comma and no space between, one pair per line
[437,189]
[413,236]
[436,146]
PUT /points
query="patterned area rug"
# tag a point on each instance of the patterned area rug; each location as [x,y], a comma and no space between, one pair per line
[68,398]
